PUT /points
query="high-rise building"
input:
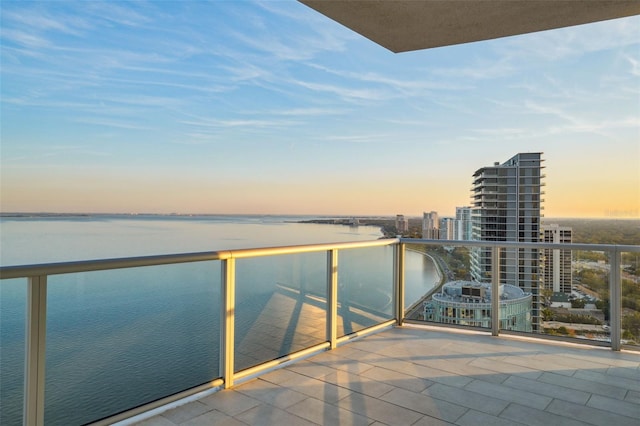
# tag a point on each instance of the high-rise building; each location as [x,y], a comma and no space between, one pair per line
[430,226]
[556,263]
[507,207]
[402,224]
[447,228]
[464,224]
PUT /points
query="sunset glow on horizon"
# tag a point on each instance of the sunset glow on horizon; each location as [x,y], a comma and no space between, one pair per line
[271,108]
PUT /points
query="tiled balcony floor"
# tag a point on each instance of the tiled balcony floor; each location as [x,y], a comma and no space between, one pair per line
[409,376]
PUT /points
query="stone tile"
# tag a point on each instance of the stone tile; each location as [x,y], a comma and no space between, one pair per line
[615,406]
[397,379]
[533,417]
[498,365]
[155,421]
[341,363]
[230,402]
[310,369]
[506,393]
[326,414]
[633,396]
[275,395]
[459,366]
[366,345]
[431,421]
[583,385]
[626,372]
[360,384]
[537,364]
[465,398]
[268,415]
[606,379]
[565,360]
[622,359]
[425,404]
[186,412]
[213,417]
[321,389]
[280,376]
[546,389]
[590,415]
[476,418]
[441,376]
[381,411]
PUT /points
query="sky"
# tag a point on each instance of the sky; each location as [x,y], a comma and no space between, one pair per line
[239,107]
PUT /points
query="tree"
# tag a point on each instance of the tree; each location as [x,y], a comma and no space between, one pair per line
[631,325]
[577,303]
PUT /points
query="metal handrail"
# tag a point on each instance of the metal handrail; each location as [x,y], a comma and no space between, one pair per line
[25,271]
[515,244]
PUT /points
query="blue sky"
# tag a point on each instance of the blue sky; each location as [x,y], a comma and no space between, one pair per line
[270,107]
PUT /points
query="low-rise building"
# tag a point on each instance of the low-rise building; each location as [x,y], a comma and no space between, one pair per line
[469,303]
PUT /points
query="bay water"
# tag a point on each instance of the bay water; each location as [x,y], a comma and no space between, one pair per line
[121,338]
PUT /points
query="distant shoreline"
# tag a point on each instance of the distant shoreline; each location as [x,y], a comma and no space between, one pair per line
[313,218]
[386,224]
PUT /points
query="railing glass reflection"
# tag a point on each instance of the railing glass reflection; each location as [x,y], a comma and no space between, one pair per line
[13,295]
[121,338]
[365,288]
[630,298]
[280,306]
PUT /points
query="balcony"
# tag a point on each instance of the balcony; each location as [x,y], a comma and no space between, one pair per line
[425,376]
[330,338]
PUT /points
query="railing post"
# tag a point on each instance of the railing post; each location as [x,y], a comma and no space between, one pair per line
[332,298]
[227,321]
[615,299]
[398,275]
[495,291]
[35,354]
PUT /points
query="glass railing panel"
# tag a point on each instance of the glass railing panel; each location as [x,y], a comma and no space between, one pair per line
[13,296]
[573,296]
[117,339]
[365,288]
[280,306]
[630,276]
[440,287]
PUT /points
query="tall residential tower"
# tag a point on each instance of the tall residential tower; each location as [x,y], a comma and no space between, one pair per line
[507,204]
[430,226]
[464,225]
[556,264]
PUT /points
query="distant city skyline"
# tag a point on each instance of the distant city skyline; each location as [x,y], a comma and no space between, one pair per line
[271,108]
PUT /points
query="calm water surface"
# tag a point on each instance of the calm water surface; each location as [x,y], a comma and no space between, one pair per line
[112,333]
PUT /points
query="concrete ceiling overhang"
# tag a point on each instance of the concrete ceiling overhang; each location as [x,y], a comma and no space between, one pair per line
[405,25]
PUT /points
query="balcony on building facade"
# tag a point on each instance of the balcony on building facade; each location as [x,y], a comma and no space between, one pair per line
[322,301]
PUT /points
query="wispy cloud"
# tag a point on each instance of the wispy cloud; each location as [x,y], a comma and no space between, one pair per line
[573,41]
[357,138]
[119,13]
[481,70]
[347,93]
[38,20]
[410,86]
[239,123]
[310,112]
[635,65]
[23,38]
[107,122]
